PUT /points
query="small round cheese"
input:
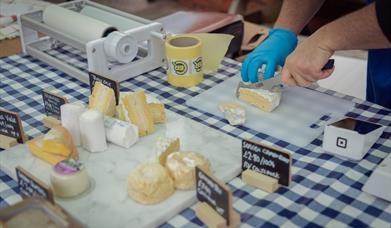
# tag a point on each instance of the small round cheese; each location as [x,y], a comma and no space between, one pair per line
[69,178]
[181,166]
[150,183]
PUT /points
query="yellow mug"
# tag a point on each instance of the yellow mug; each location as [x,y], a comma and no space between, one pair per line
[184,60]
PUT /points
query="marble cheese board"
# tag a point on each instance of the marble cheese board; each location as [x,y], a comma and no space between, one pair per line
[107,204]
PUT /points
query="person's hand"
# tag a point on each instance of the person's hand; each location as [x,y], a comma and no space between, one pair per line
[304,65]
[271,52]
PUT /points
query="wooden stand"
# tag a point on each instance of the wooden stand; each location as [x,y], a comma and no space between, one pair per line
[49,121]
[212,219]
[259,180]
[7,142]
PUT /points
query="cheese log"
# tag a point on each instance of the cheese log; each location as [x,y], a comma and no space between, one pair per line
[150,183]
[102,99]
[233,112]
[263,99]
[92,131]
[70,114]
[55,146]
[120,132]
[157,110]
[136,111]
[181,166]
[166,146]
[69,178]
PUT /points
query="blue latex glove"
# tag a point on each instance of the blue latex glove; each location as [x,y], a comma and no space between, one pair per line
[271,52]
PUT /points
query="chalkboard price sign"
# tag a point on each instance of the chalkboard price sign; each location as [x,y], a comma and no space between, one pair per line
[214,193]
[105,81]
[266,160]
[52,103]
[30,186]
[11,126]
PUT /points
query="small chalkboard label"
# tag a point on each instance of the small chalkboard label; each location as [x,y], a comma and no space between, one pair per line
[266,160]
[30,186]
[105,81]
[52,103]
[11,126]
[214,193]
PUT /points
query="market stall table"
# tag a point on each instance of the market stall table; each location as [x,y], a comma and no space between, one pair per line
[325,190]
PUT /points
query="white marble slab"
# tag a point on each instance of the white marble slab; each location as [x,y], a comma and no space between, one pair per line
[107,204]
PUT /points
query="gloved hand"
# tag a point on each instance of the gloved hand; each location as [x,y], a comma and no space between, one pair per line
[272,52]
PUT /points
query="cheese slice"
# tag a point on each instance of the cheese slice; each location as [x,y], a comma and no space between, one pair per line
[263,99]
[233,112]
[102,99]
[135,110]
[55,146]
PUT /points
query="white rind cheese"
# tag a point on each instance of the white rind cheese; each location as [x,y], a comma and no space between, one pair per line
[120,132]
[69,178]
[261,98]
[70,114]
[92,131]
[234,113]
[181,166]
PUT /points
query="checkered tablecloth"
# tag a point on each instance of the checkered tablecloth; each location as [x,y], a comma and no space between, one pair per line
[325,190]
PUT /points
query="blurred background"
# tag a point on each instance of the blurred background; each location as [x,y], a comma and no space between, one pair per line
[256,11]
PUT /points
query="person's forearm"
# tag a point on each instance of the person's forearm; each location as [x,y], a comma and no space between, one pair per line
[358,30]
[294,14]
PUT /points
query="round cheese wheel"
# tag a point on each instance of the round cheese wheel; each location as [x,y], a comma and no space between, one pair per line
[69,178]
[150,183]
[181,166]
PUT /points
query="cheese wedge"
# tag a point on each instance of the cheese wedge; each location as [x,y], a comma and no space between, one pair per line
[135,110]
[263,99]
[157,110]
[55,146]
[102,99]
[36,149]
[233,112]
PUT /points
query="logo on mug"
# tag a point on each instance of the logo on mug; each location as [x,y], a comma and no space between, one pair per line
[180,67]
[197,63]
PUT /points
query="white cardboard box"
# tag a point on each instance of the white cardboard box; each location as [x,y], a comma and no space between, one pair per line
[351,138]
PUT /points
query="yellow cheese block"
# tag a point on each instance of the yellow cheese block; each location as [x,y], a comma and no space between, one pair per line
[102,99]
[158,112]
[55,146]
[36,150]
[135,110]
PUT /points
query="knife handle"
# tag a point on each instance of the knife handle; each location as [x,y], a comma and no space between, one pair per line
[329,65]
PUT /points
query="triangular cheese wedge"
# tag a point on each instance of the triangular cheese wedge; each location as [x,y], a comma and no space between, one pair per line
[102,99]
[136,111]
[55,146]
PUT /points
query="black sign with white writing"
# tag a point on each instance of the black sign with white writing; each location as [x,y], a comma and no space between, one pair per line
[30,186]
[52,103]
[105,81]
[268,161]
[11,126]
[213,193]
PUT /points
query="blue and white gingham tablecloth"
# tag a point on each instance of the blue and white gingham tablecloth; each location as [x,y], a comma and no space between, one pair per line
[325,190]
